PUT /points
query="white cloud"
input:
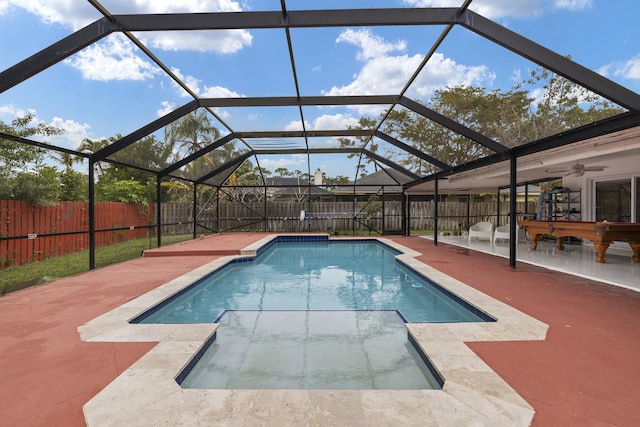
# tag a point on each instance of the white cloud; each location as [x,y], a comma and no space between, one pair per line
[75,15]
[324,122]
[191,82]
[384,74]
[196,87]
[628,69]
[441,72]
[172,6]
[165,108]
[219,41]
[114,58]
[334,121]
[371,46]
[292,162]
[4,6]
[492,9]
[219,92]
[73,135]
[10,112]
[516,76]
[573,4]
[295,125]
[73,132]
[204,91]
[68,13]
[495,9]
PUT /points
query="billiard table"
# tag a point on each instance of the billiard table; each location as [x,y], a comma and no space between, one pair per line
[601,234]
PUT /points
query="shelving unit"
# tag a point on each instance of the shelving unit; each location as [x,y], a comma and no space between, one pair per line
[560,204]
[570,205]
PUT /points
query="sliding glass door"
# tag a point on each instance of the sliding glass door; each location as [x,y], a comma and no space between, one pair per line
[613,200]
[637,201]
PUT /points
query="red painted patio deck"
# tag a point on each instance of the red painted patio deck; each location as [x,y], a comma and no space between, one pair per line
[585,373]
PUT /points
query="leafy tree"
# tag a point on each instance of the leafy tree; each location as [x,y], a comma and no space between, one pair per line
[563,105]
[41,188]
[222,155]
[91,146]
[264,171]
[65,159]
[333,182]
[303,176]
[190,134]
[15,156]
[495,114]
[511,118]
[73,185]
[176,190]
[125,191]
[284,172]
[147,153]
[24,163]
[116,178]
[363,123]
[243,181]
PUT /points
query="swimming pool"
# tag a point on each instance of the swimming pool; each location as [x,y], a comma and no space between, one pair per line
[315,275]
[149,388]
[321,314]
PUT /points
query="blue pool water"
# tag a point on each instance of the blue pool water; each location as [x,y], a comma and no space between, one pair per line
[307,350]
[329,275]
[313,315]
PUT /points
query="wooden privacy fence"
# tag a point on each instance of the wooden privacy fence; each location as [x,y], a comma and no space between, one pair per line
[31,233]
[459,215]
[178,218]
[284,216]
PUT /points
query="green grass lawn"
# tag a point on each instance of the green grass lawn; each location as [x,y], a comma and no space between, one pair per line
[78,262]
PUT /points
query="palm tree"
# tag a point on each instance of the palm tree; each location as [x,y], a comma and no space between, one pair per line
[91,146]
[66,159]
[223,154]
[191,132]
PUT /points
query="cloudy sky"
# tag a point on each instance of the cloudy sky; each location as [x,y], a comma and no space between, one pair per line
[112,87]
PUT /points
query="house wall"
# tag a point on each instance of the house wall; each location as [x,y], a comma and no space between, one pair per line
[622,167]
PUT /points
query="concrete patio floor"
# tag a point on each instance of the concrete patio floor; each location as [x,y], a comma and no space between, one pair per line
[584,373]
[575,259]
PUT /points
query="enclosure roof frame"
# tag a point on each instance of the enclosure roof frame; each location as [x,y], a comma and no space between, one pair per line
[289,19]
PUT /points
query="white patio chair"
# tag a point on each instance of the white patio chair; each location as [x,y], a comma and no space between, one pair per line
[502,232]
[481,230]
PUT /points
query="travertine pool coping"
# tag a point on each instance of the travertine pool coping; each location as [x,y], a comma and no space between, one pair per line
[147,393]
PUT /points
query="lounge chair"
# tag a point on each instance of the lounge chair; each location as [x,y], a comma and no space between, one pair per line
[481,230]
[502,232]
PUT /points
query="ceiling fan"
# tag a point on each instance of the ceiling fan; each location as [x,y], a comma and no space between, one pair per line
[578,169]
